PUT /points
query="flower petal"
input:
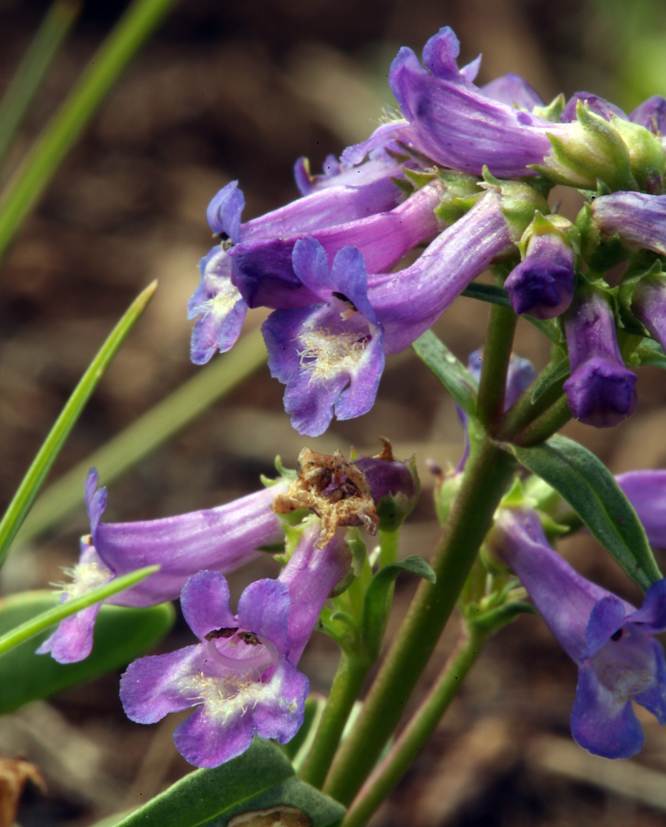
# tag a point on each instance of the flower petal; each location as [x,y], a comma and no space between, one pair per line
[72,641]
[600,723]
[652,613]
[207,739]
[606,618]
[263,608]
[205,603]
[153,686]
[224,211]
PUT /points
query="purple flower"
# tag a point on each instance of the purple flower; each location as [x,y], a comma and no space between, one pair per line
[605,109]
[242,676]
[512,90]
[238,675]
[651,114]
[542,285]
[638,218]
[453,122]
[600,389]
[329,354]
[646,491]
[609,640]
[264,271]
[348,195]
[648,305]
[221,538]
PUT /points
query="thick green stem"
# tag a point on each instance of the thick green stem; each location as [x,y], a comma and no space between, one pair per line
[546,425]
[346,687]
[496,355]
[487,476]
[419,729]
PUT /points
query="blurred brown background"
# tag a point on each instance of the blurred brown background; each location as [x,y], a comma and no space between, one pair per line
[240,90]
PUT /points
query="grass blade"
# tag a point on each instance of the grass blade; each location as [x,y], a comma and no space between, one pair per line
[33,68]
[107,64]
[150,431]
[42,622]
[27,490]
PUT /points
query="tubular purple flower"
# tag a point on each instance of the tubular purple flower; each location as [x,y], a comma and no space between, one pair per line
[648,305]
[646,491]
[242,676]
[221,539]
[600,389]
[453,122]
[542,285]
[651,114]
[609,640]
[349,195]
[264,271]
[311,574]
[512,90]
[238,676]
[331,354]
[638,218]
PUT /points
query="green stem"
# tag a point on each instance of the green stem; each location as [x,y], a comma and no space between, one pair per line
[388,547]
[495,365]
[45,156]
[346,687]
[546,425]
[524,410]
[487,476]
[419,729]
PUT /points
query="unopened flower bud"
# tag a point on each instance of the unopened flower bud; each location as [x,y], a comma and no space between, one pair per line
[600,389]
[542,285]
[646,155]
[394,485]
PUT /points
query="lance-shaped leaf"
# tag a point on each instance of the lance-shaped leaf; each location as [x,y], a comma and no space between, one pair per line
[49,618]
[450,371]
[260,780]
[591,490]
[378,599]
[121,635]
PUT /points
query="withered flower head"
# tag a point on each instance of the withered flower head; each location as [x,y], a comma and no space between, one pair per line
[336,490]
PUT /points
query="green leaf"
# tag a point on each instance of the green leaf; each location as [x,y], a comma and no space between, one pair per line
[30,485]
[60,611]
[121,635]
[151,430]
[488,293]
[260,779]
[591,490]
[450,371]
[377,601]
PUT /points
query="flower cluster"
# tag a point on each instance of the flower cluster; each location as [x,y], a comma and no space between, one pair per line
[441,173]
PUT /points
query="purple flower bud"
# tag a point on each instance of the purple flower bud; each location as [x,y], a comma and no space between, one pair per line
[605,109]
[638,218]
[646,491]
[512,90]
[394,485]
[600,389]
[648,305]
[221,539]
[542,285]
[651,114]
[609,640]
[453,122]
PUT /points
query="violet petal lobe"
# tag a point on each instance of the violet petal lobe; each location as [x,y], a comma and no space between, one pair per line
[542,285]
[224,211]
[512,90]
[605,109]
[264,608]
[646,491]
[651,114]
[205,603]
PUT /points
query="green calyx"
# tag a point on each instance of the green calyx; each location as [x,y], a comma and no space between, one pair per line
[553,225]
[592,150]
[646,155]
[519,200]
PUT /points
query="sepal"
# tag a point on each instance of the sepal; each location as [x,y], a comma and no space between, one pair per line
[646,155]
